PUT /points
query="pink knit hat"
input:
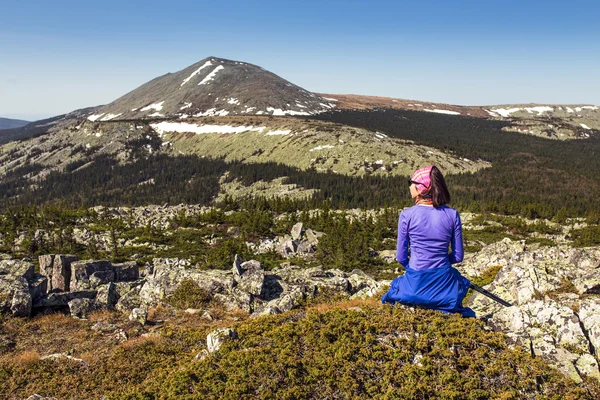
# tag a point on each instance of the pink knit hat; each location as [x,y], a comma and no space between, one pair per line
[422,178]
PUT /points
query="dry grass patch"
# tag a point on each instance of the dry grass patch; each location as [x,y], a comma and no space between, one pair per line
[154,339]
[25,358]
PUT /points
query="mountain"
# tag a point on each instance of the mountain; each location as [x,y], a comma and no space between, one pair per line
[237,116]
[214,87]
[7,123]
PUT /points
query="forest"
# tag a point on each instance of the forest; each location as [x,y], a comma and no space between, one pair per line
[530,176]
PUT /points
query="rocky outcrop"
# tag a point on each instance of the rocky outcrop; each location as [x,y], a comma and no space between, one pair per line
[300,242]
[554,295]
[248,287]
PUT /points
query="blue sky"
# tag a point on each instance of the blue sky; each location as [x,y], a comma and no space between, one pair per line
[59,56]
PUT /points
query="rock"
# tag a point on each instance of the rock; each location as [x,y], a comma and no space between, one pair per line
[216,338]
[14,296]
[588,366]
[17,269]
[90,273]
[296,231]
[237,264]
[21,301]
[235,299]
[130,300]
[46,266]
[106,297]
[388,256]
[55,300]
[38,287]
[6,344]
[39,397]
[139,315]
[61,272]
[202,355]
[63,356]
[284,303]
[127,271]
[104,327]
[79,308]
[252,277]
[312,237]
[169,273]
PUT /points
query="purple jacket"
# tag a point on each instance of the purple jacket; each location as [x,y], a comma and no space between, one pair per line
[428,231]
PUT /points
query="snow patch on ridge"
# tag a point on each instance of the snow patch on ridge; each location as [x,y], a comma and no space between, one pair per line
[505,112]
[186,105]
[211,76]
[279,132]
[184,127]
[584,126]
[442,111]
[94,117]
[108,117]
[325,146]
[186,80]
[279,111]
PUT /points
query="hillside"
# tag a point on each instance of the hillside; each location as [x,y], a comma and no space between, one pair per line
[7,123]
[550,121]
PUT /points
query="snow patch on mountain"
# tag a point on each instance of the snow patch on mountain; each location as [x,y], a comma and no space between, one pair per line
[584,126]
[212,112]
[186,105]
[186,80]
[156,106]
[211,76]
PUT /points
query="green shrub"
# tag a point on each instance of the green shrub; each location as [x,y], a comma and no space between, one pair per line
[189,295]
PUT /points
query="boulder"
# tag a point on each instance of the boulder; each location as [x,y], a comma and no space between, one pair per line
[312,237]
[251,278]
[139,315]
[169,273]
[61,273]
[129,300]
[296,231]
[46,267]
[38,287]
[90,273]
[106,297]
[80,308]
[62,299]
[216,338]
[14,296]
[127,271]
[17,269]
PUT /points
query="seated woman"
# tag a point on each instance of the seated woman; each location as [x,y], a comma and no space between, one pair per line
[428,229]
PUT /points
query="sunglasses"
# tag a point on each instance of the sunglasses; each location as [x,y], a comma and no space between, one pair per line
[410,182]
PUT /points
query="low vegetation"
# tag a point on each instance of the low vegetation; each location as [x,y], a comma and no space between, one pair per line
[349,349]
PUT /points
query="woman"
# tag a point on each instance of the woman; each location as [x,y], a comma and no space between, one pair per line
[429,228]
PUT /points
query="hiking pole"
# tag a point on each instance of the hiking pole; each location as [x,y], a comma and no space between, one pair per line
[490,295]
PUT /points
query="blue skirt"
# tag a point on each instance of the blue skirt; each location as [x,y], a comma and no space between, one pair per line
[442,289]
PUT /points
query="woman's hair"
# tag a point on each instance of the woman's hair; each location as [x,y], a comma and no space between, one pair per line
[438,191]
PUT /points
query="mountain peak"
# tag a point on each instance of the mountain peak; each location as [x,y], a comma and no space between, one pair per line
[214,87]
